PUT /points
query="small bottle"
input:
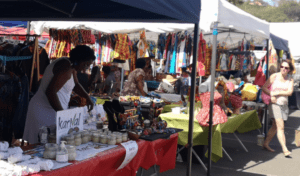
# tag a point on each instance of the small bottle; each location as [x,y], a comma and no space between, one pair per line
[70,139]
[119,139]
[124,137]
[43,135]
[85,136]
[111,140]
[103,139]
[62,153]
[96,137]
[78,140]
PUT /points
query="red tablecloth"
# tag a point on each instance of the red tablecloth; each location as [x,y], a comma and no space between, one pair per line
[161,152]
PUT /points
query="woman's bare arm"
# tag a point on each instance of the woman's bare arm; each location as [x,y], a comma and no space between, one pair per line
[62,73]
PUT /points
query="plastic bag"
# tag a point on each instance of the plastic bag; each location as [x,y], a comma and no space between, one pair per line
[249,92]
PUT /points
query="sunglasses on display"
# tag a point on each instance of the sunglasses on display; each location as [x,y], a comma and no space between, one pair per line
[287,68]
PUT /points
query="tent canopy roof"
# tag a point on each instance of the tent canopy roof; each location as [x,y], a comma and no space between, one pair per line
[279,43]
[230,16]
[95,10]
[288,31]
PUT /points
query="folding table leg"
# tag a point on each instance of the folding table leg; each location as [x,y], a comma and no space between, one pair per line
[155,169]
[142,172]
[240,142]
[178,151]
[198,158]
[227,154]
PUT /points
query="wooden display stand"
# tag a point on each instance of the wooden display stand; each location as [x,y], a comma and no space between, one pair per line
[35,61]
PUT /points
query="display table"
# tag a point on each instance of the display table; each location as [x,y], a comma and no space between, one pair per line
[161,152]
[168,108]
[200,134]
[242,123]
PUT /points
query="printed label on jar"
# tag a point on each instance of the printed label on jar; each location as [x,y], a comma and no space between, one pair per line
[62,158]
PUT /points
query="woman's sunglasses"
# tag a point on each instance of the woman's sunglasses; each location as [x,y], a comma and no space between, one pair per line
[287,68]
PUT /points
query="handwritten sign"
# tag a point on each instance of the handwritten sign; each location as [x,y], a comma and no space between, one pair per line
[131,148]
[68,119]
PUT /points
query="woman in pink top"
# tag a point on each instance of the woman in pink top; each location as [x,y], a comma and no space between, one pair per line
[282,87]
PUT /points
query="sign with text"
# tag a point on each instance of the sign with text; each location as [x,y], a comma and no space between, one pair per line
[68,119]
[131,148]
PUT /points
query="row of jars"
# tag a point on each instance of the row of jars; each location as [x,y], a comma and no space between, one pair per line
[51,149]
[107,137]
[97,136]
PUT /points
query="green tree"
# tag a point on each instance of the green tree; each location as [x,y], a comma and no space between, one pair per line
[268,13]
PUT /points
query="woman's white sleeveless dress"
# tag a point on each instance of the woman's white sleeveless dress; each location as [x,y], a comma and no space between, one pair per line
[40,112]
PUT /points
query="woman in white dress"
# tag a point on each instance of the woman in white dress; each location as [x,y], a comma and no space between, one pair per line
[60,79]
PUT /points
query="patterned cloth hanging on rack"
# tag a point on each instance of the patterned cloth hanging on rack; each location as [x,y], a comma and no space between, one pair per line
[208,60]
[142,45]
[169,51]
[161,44]
[122,48]
[201,56]
[173,60]
[181,53]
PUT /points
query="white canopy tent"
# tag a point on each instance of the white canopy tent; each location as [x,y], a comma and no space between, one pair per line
[289,32]
[230,18]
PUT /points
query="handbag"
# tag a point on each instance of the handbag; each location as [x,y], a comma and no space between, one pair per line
[265,97]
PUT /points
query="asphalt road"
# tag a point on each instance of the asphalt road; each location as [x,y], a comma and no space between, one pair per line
[255,162]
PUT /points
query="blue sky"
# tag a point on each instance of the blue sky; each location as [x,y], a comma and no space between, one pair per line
[270,2]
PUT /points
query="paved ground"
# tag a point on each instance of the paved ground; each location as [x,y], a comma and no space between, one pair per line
[256,162]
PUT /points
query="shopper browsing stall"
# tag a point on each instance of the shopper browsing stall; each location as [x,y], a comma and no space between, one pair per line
[135,84]
[109,80]
[55,90]
[148,70]
[282,87]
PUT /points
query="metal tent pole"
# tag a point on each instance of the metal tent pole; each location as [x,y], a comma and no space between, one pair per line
[266,107]
[212,88]
[192,100]
[28,30]
[122,79]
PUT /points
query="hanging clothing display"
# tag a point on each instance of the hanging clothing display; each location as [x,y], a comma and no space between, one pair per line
[201,55]
[65,40]
[122,48]
[173,60]
[161,46]
[142,45]
[223,62]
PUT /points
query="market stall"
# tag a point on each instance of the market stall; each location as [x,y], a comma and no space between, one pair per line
[109,11]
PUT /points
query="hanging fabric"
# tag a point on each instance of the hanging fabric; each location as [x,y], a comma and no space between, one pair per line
[142,45]
[173,60]
[121,48]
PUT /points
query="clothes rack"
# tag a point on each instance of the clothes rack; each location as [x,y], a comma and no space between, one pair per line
[35,57]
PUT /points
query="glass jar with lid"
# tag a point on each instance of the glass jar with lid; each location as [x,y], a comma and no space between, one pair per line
[78,140]
[119,139]
[50,151]
[70,139]
[71,152]
[96,137]
[85,136]
[124,137]
[103,139]
[52,138]
[111,140]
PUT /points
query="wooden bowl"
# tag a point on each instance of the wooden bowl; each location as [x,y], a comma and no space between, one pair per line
[133,135]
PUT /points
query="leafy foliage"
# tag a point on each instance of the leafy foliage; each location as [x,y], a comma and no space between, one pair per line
[283,13]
